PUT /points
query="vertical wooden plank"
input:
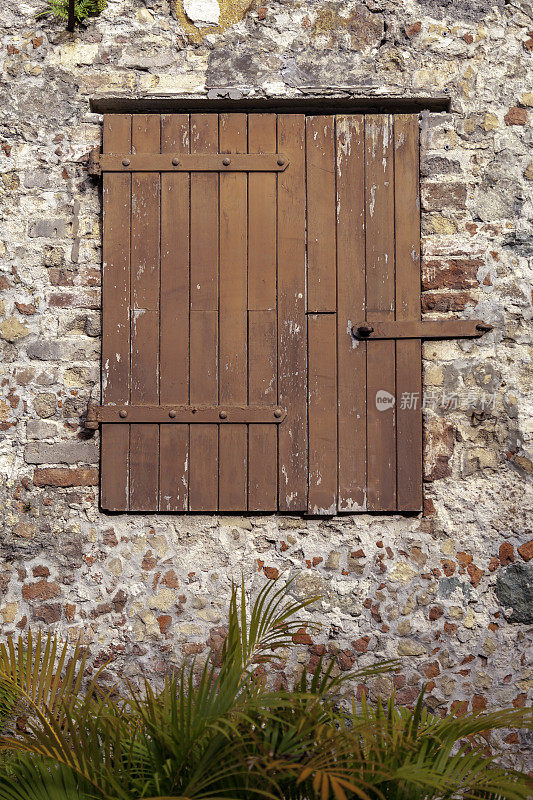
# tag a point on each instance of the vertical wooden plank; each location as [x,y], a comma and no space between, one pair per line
[204,233]
[145,267]
[408,351]
[322,414]
[174,334]
[233,324]
[320,169]
[351,308]
[292,327]
[203,444]
[381,392]
[116,192]
[263,445]
[262,330]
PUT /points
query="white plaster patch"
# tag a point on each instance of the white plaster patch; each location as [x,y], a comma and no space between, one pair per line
[202,12]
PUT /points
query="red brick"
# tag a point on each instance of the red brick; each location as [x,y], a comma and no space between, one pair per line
[148,561]
[164,621]
[526,550]
[459,708]
[479,703]
[506,553]
[361,645]
[450,628]
[192,649]
[47,613]
[407,696]
[301,637]
[87,299]
[520,700]
[448,567]
[454,273]
[435,613]
[464,558]
[110,538]
[475,574]
[170,579]
[40,572]
[494,563]
[431,670]
[346,660]
[271,572]
[436,196]
[516,116]
[447,301]
[40,590]
[28,309]
[64,476]
[412,30]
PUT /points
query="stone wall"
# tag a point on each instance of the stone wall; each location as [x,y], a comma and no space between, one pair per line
[449,591]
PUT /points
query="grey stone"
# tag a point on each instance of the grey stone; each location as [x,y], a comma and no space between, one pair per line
[68,452]
[521,243]
[447,587]
[93,325]
[48,228]
[62,349]
[39,429]
[37,179]
[514,590]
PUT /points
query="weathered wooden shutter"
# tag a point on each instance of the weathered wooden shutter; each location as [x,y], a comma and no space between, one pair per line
[261,313]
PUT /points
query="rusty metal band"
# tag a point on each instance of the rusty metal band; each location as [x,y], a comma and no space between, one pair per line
[417,329]
[197,162]
[223,414]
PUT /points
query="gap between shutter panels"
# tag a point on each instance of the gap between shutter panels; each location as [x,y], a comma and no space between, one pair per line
[231,223]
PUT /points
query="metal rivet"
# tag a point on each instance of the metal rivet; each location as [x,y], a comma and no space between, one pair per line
[126,162]
[364,330]
[172,414]
[278,413]
[223,415]
[281,161]
[176,162]
[226,161]
[123,413]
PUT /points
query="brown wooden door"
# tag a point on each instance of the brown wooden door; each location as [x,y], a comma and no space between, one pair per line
[233,291]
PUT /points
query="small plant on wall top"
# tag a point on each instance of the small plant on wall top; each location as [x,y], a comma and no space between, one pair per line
[82,9]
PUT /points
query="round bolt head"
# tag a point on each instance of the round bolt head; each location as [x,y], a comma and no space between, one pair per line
[278,413]
[226,161]
[172,414]
[176,162]
[126,162]
[281,161]
[223,415]
[123,413]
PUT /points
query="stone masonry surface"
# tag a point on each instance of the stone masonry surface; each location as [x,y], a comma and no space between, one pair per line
[450,592]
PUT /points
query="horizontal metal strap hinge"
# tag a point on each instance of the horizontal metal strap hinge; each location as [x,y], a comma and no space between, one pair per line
[221,415]
[418,329]
[180,162]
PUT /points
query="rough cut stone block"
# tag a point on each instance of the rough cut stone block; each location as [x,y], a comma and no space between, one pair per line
[48,228]
[68,452]
[39,429]
[63,476]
